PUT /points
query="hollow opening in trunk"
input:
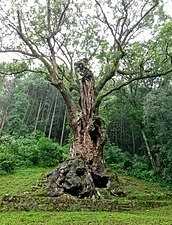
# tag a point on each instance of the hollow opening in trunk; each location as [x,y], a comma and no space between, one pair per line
[94,133]
[100,181]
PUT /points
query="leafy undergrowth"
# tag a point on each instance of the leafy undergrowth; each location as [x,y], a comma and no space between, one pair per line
[150,217]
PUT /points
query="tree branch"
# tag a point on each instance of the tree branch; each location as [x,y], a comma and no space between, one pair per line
[61,19]
[32,49]
[106,78]
[99,99]
[156,2]
[17,51]
[22,71]
[110,27]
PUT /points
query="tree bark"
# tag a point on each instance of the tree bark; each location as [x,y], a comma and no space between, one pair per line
[133,140]
[63,128]
[38,114]
[4,119]
[48,115]
[85,169]
[89,131]
[148,150]
[52,118]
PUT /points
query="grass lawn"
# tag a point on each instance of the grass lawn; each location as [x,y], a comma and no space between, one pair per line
[152,217]
[22,180]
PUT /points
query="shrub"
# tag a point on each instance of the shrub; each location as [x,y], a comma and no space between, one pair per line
[49,153]
[65,151]
[7,163]
[34,149]
[31,150]
[114,156]
[141,169]
[28,150]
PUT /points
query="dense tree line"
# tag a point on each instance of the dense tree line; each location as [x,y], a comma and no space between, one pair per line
[139,123]
[30,104]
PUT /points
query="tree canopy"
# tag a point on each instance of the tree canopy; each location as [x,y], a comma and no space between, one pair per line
[59,33]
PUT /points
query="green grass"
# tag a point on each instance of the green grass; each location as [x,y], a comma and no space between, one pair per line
[143,190]
[153,217]
[21,181]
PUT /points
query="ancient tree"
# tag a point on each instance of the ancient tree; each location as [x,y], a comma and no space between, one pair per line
[84,49]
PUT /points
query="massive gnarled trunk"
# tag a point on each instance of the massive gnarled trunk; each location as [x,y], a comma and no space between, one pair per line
[84,170]
[89,132]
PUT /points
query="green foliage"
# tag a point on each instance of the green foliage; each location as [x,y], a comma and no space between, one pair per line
[158,121]
[15,68]
[7,163]
[117,57]
[31,150]
[136,166]
[27,150]
[49,153]
[65,152]
[114,156]
[27,105]
[124,114]
[141,169]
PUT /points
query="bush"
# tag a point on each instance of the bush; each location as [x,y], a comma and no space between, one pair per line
[137,166]
[166,178]
[7,163]
[65,151]
[114,156]
[23,148]
[141,169]
[49,153]
[28,151]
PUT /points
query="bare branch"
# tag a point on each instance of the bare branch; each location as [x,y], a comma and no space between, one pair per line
[17,51]
[35,53]
[19,21]
[125,6]
[51,35]
[60,22]
[144,7]
[60,45]
[107,77]
[130,81]
[110,27]
[49,16]
[156,2]
[23,71]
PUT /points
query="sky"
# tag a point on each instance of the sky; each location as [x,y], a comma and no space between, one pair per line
[168,6]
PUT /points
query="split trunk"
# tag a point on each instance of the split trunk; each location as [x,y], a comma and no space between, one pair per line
[84,170]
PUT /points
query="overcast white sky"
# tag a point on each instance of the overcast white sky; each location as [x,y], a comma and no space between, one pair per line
[168,6]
